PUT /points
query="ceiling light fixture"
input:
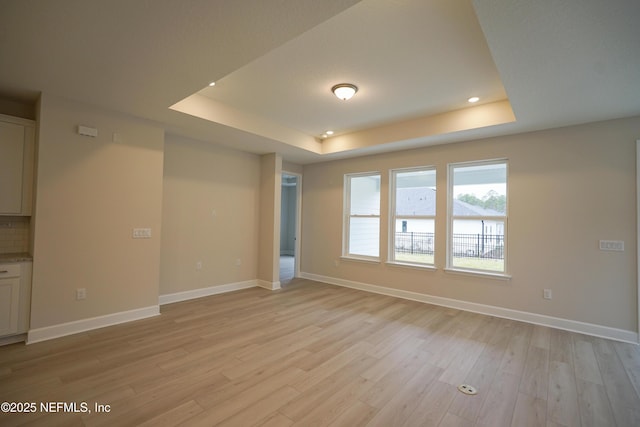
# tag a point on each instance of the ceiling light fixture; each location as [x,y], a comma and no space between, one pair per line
[344,91]
[473,99]
[212,84]
[329,132]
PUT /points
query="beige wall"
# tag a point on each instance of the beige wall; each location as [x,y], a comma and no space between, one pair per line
[201,178]
[292,167]
[568,188]
[269,242]
[91,193]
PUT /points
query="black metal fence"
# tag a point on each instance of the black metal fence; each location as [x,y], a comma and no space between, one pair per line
[489,246]
[414,243]
[479,245]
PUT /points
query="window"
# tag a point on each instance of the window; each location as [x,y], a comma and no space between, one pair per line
[413,211]
[478,216]
[362,215]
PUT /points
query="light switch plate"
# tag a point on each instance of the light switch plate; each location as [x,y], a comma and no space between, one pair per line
[141,233]
[87,131]
[612,245]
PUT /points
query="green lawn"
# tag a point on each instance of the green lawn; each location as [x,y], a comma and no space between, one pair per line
[415,258]
[459,262]
[479,263]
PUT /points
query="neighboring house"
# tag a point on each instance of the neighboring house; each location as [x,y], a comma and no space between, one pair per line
[476,226]
[472,237]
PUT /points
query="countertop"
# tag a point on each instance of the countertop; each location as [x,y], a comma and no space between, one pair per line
[15,257]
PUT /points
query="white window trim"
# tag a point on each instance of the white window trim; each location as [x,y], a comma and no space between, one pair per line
[346,218]
[427,267]
[361,258]
[391,257]
[504,275]
[478,273]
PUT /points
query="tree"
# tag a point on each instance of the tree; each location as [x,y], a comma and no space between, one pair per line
[471,199]
[492,200]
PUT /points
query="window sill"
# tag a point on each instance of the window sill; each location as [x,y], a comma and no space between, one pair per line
[360,259]
[409,265]
[476,273]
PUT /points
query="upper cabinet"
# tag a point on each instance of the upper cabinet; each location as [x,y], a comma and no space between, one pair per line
[17,147]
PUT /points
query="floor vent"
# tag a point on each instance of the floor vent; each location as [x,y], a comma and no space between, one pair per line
[468,389]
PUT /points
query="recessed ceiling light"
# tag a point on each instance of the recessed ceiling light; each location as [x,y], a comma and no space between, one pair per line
[329,132]
[212,84]
[473,99]
[344,91]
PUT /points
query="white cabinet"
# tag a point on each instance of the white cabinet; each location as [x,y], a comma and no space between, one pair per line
[15,298]
[17,142]
[9,298]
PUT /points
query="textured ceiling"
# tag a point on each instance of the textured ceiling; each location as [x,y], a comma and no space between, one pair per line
[536,65]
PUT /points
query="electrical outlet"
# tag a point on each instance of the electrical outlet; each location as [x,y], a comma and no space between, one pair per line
[81,293]
[117,138]
[199,265]
[547,294]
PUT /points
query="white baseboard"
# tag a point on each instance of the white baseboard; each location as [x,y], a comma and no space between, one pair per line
[205,292]
[506,313]
[63,329]
[57,331]
[272,286]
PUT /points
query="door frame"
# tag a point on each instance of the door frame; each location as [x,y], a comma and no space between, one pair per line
[638,234]
[296,245]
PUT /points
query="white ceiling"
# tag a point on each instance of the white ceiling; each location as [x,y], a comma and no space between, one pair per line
[408,58]
[535,65]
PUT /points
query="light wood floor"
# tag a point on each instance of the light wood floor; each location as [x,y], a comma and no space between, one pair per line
[315,355]
[287,267]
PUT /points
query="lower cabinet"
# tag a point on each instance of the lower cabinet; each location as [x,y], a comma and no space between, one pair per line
[15,298]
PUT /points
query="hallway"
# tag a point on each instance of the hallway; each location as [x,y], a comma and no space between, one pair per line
[287,269]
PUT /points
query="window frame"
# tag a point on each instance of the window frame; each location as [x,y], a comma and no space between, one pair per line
[451,218]
[393,218]
[346,215]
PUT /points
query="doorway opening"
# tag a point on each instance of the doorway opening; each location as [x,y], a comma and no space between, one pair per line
[289,228]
